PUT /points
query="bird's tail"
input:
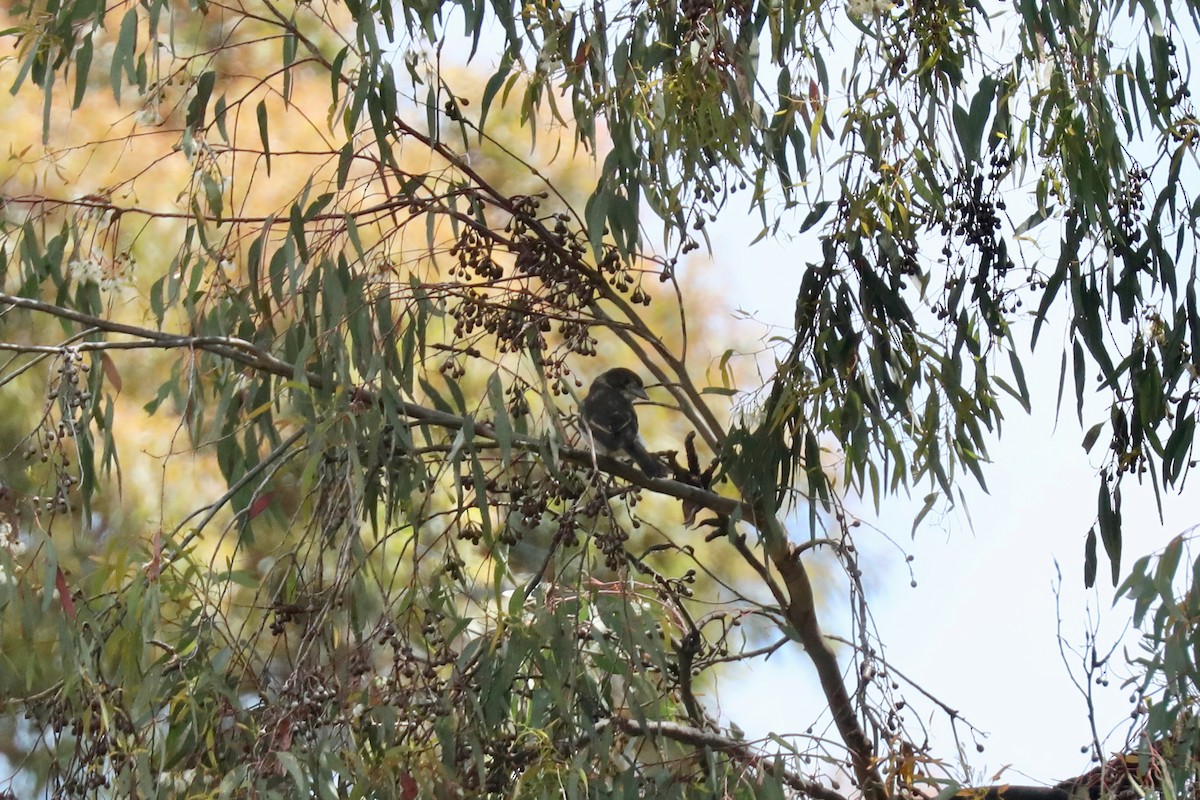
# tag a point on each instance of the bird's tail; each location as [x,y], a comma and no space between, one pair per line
[646,462]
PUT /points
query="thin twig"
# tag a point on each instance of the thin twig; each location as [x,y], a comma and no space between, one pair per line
[212,508]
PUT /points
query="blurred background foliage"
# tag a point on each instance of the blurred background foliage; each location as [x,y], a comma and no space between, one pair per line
[192,608]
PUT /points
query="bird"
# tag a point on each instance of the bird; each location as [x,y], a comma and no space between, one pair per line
[612,421]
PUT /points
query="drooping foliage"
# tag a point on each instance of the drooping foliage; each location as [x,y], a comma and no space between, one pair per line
[301,298]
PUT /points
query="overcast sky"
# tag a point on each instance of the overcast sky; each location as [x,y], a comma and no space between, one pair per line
[979,630]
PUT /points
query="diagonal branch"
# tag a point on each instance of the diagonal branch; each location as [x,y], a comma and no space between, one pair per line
[250,355]
[801,612]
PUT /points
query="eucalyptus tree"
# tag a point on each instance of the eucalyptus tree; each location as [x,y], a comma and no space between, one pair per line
[302,239]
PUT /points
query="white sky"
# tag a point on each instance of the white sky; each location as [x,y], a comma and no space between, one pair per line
[979,630]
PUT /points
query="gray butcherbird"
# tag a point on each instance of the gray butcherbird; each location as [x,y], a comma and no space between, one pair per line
[610,417]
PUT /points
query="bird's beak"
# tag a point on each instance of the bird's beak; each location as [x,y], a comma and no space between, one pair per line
[639,392]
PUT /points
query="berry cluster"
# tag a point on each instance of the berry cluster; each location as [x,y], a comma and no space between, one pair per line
[973,219]
[474,254]
[101,728]
[694,11]
[1129,205]
[70,397]
[551,258]
[1176,96]
[307,705]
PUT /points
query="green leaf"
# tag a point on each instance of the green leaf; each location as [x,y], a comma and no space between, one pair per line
[493,87]
[1080,377]
[1179,444]
[278,270]
[594,214]
[219,110]
[1168,563]
[473,17]
[232,781]
[1109,505]
[123,53]
[814,216]
[1019,374]
[199,104]
[83,65]
[298,231]
[970,124]
[261,112]
[355,239]
[335,76]
[294,769]
[501,422]
[345,161]
[289,58]
[1089,559]
[1032,221]
[1067,253]
[439,401]
[930,499]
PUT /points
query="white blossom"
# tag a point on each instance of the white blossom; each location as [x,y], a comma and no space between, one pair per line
[867,8]
[16,548]
[96,268]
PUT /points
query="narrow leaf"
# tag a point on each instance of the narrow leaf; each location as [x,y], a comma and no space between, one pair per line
[199,104]
[1090,437]
[111,374]
[1109,506]
[501,423]
[83,65]
[262,132]
[1089,559]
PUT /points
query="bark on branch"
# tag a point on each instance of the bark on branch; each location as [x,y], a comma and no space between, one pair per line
[802,614]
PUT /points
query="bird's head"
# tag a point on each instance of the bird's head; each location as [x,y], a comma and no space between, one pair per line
[625,381]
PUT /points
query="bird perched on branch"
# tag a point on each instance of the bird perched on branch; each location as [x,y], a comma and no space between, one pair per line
[612,421]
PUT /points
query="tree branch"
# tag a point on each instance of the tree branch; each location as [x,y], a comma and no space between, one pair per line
[802,614]
[736,748]
[252,356]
